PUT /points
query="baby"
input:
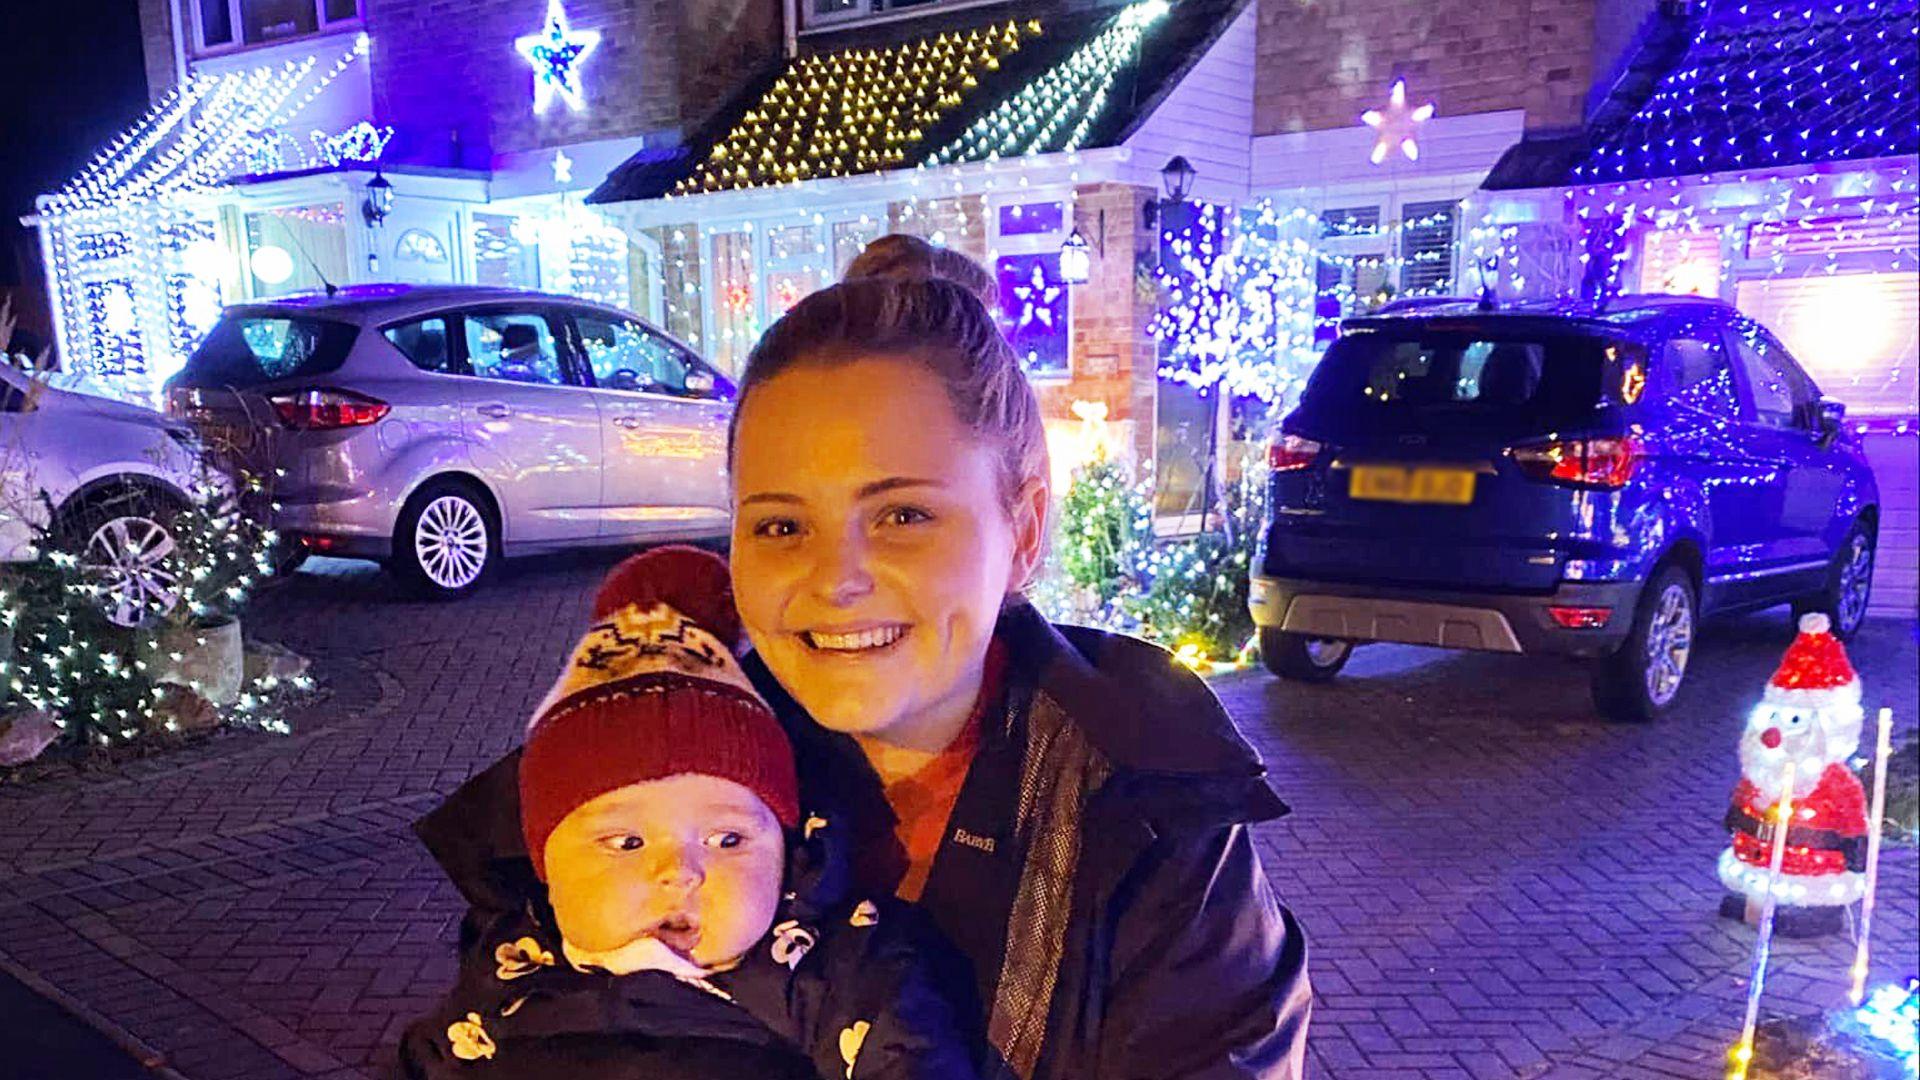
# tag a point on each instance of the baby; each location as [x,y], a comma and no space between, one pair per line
[659,806]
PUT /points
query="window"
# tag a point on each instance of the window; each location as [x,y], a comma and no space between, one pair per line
[849,239]
[735,322]
[837,12]
[505,252]
[1350,221]
[623,355]
[1426,248]
[1702,376]
[424,342]
[1433,378]
[513,347]
[231,23]
[794,253]
[244,351]
[1027,219]
[1778,390]
[1035,307]
[297,248]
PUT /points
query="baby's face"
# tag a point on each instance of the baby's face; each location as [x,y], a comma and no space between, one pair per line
[695,861]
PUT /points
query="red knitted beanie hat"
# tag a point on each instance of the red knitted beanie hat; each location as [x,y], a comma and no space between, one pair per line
[653,690]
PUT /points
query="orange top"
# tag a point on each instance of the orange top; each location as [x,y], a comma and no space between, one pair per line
[924,801]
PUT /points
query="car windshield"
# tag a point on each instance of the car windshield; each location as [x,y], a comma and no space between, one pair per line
[247,350]
[1430,373]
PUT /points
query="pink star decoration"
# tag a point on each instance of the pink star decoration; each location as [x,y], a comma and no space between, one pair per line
[1395,126]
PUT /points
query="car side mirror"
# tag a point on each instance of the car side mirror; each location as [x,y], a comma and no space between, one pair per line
[1829,421]
[699,384]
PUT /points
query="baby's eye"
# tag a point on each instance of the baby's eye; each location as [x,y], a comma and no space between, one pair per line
[624,842]
[726,839]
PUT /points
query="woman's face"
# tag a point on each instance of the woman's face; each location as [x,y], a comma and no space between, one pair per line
[871,546]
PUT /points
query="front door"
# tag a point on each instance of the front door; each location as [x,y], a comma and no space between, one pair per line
[533,426]
[663,430]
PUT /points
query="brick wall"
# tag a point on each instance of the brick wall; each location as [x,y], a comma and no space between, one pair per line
[447,78]
[1321,63]
[1113,356]
[156,39]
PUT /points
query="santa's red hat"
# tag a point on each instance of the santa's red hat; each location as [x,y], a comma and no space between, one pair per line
[653,690]
[1815,673]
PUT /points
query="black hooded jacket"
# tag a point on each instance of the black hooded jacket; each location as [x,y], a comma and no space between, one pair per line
[840,987]
[1097,875]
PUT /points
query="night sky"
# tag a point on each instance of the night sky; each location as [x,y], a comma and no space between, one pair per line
[72,76]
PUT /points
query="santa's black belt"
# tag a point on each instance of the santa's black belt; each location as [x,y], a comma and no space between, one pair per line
[1854,848]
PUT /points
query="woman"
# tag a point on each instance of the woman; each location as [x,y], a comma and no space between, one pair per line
[1069,806]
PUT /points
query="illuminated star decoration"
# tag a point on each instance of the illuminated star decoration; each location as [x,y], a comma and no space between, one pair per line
[1395,126]
[1037,300]
[556,53]
[562,167]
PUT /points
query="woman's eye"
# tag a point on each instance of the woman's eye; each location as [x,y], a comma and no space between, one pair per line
[906,515]
[726,840]
[776,528]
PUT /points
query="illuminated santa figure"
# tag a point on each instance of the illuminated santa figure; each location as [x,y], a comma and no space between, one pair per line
[1810,716]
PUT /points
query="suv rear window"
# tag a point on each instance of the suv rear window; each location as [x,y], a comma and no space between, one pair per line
[1477,374]
[247,350]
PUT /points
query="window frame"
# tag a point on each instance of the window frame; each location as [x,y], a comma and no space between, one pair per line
[558,325]
[1804,393]
[813,22]
[1669,379]
[456,342]
[1000,246]
[196,30]
[724,389]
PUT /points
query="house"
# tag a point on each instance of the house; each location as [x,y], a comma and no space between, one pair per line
[708,163]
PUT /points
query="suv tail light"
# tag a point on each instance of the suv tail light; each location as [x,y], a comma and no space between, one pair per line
[326,410]
[1290,453]
[1607,462]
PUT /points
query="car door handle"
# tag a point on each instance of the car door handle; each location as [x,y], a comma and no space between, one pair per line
[494,410]
[628,422]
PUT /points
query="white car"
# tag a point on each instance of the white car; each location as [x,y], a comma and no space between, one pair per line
[104,477]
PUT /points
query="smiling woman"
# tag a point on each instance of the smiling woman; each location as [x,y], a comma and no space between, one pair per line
[1070,808]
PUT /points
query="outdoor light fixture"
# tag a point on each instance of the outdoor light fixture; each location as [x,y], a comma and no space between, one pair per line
[379,200]
[1176,176]
[1076,254]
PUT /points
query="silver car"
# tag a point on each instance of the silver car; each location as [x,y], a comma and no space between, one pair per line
[441,428]
[104,479]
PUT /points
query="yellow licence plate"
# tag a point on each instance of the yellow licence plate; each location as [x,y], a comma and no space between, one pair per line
[1392,483]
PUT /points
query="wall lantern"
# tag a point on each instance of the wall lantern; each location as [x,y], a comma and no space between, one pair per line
[1076,258]
[1176,176]
[379,200]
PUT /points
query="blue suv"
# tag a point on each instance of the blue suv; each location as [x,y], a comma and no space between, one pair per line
[1557,478]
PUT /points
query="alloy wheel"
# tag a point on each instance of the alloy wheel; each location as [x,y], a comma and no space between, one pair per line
[451,542]
[1669,643]
[127,559]
[1326,652]
[1856,576]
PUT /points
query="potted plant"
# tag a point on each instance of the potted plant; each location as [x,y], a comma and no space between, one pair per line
[220,554]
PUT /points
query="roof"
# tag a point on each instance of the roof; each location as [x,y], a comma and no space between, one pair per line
[1010,87]
[1771,83]
[202,134]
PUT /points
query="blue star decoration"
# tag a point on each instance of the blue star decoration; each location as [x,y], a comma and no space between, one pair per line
[556,53]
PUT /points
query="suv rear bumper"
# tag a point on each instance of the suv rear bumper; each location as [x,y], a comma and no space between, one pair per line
[1484,622]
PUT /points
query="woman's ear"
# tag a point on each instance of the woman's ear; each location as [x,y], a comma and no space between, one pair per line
[1030,509]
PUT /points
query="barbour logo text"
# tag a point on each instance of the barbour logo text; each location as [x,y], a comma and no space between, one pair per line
[983,843]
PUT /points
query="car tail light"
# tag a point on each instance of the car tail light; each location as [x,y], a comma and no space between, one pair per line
[325,410]
[1581,618]
[1603,462]
[1289,453]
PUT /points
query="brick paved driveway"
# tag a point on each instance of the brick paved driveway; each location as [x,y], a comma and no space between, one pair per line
[1494,883]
